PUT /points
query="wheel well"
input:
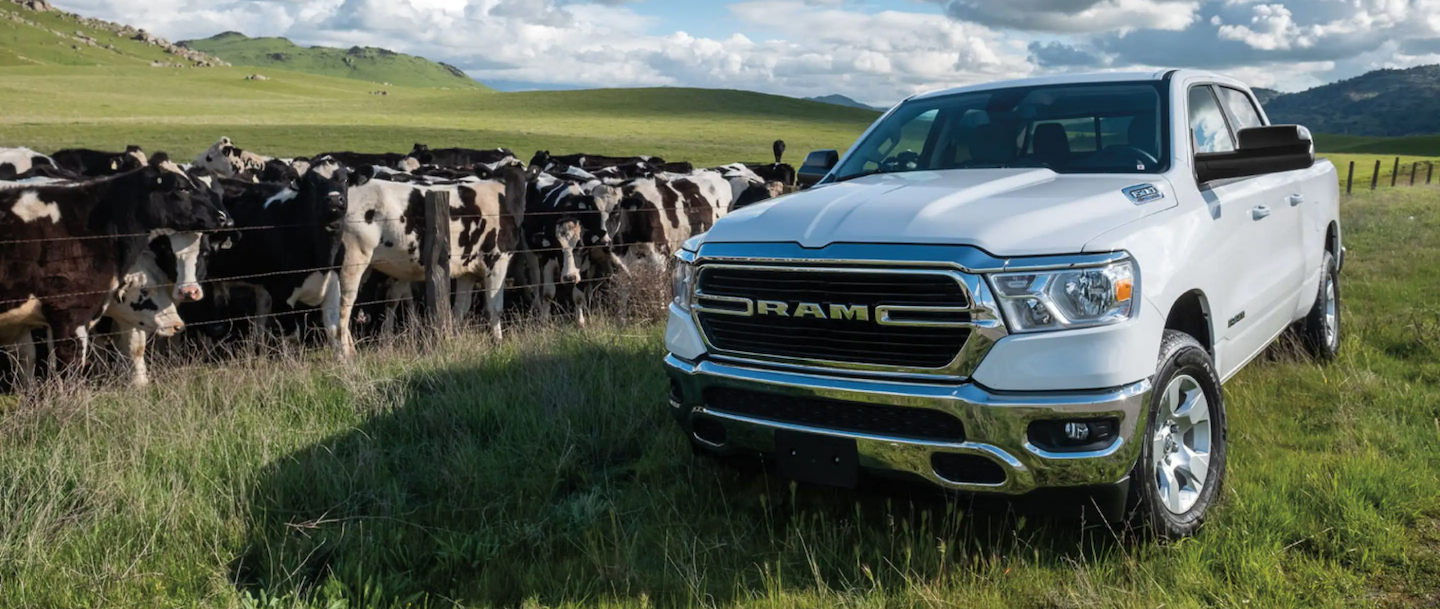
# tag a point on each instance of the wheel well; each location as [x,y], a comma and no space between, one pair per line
[1191,315]
[1332,239]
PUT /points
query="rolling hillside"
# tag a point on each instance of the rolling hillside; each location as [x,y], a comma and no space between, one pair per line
[359,63]
[1384,103]
[34,33]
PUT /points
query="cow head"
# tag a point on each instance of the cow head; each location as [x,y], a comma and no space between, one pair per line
[421,153]
[222,158]
[639,227]
[173,204]
[541,159]
[141,301]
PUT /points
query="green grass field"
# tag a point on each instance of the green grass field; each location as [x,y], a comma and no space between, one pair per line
[545,472]
[184,111]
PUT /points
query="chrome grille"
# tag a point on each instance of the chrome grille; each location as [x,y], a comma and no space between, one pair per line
[918,321]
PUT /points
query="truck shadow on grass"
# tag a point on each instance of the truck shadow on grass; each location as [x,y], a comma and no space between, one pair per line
[561,478]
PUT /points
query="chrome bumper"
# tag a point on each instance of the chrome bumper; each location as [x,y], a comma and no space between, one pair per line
[995,424]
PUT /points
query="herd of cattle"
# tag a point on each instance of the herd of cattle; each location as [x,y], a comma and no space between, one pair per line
[145,244]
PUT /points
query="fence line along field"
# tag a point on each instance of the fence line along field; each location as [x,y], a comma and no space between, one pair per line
[528,471]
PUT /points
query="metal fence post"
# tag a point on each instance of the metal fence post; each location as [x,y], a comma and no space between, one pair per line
[1395,173]
[435,252]
[1350,178]
[1375,177]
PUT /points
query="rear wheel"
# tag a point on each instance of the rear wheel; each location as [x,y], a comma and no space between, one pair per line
[1182,452]
[1320,331]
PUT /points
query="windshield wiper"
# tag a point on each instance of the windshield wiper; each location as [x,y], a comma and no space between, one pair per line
[868,172]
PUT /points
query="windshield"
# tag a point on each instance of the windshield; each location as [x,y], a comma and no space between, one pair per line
[1087,128]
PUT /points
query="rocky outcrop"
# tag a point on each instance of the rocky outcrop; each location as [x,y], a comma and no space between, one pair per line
[78,38]
[256,77]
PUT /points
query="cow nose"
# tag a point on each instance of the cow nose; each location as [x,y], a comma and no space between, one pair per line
[572,278]
[189,293]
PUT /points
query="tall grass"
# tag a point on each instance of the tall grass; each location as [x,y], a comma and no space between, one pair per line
[544,471]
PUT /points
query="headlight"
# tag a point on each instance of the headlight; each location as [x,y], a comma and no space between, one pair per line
[1073,298]
[682,283]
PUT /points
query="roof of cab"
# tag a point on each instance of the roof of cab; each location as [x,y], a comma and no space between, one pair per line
[1058,79]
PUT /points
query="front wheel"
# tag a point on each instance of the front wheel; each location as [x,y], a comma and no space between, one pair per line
[1182,452]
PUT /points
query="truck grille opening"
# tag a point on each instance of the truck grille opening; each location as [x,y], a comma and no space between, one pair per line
[839,339]
[874,419]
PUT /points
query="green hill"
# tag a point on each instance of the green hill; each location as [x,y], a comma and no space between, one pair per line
[1383,103]
[51,37]
[359,63]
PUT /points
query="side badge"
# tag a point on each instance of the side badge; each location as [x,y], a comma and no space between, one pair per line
[1143,193]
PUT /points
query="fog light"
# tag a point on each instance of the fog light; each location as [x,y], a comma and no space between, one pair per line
[1074,435]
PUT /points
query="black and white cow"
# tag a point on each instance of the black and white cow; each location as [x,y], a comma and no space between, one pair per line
[18,162]
[65,248]
[290,266]
[565,229]
[658,214]
[226,160]
[383,227]
[748,187]
[141,306]
[98,163]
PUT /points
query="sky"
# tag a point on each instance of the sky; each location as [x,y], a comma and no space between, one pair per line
[875,51]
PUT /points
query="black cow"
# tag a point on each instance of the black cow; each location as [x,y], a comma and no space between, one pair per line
[63,249]
[592,162]
[98,163]
[393,160]
[282,264]
[463,157]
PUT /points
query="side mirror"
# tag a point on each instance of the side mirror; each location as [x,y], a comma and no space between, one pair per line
[817,165]
[1262,150]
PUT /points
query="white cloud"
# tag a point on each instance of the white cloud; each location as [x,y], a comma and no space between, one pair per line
[1075,16]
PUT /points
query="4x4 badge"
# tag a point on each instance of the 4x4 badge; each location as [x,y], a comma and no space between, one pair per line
[1143,193]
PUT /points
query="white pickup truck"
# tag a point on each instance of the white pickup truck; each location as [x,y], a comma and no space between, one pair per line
[1012,288]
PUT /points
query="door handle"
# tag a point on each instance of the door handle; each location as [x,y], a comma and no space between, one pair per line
[1296,200]
[1260,212]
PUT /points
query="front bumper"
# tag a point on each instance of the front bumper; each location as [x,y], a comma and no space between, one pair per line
[995,423]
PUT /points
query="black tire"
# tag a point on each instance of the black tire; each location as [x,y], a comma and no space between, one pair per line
[1315,333]
[1186,364]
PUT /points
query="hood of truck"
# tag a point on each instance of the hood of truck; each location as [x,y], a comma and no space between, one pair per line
[1006,212]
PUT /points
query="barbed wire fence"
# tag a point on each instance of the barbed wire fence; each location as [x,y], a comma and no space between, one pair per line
[435,259]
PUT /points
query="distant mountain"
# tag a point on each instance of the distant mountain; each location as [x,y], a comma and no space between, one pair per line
[1265,95]
[359,63]
[841,100]
[1384,103]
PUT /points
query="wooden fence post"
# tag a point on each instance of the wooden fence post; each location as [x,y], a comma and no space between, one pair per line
[1375,177]
[1350,178]
[1413,167]
[1429,173]
[1395,173]
[435,252]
